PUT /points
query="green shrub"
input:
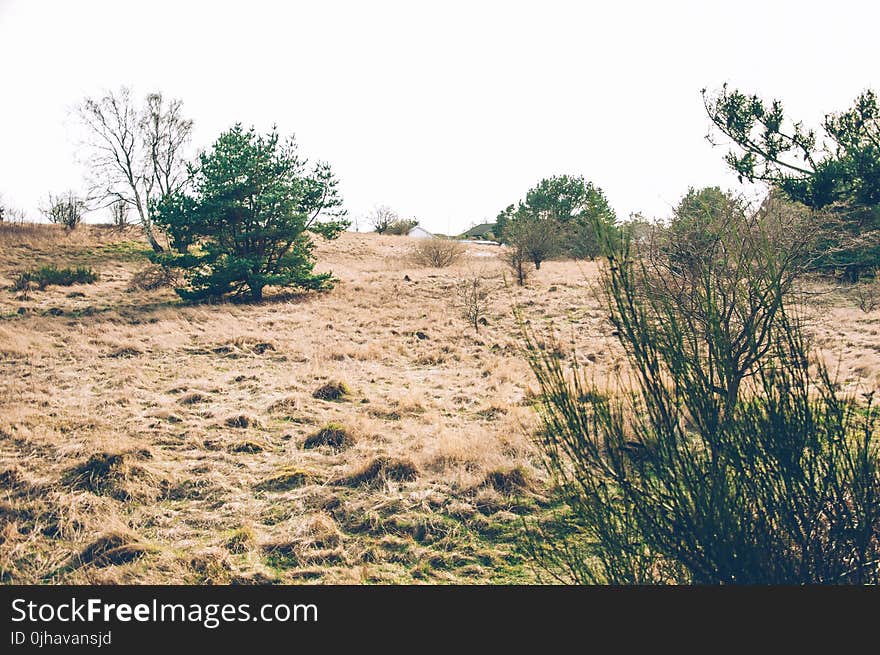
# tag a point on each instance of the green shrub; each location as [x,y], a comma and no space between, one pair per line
[732,459]
[49,275]
[248,222]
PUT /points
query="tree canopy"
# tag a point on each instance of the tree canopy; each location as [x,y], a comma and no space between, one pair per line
[837,172]
[246,224]
[568,202]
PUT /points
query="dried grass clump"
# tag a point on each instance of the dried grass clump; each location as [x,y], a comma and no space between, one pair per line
[241,540]
[318,530]
[240,421]
[511,480]
[287,479]
[210,565]
[113,548]
[332,435]
[379,469]
[193,398]
[248,447]
[115,475]
[314,539]
[125,351]
[285,406]
[335,390]
[437,253]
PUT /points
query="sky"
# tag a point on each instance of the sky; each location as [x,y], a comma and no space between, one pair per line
[445,111]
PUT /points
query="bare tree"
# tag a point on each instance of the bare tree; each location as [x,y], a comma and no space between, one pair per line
[119,213]
[382,217]
[10,214]
[136,155]
[166,133]
[66,209]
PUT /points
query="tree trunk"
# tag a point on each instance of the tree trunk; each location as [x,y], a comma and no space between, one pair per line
[148,227]
[537,264]
[155,245]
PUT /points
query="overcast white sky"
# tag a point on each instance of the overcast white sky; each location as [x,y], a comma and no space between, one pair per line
[445,111]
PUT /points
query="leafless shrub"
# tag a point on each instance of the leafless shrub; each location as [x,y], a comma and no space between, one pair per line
[867,295]
[153,277]
[66,209]
[437,253]
[473,298]
[119,213]
[516,258]
[382,217]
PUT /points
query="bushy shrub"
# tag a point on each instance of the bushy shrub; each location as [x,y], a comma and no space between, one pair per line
[731,458]
[567,208]
[401,226]
[436,252]
[49,275]
[64,277]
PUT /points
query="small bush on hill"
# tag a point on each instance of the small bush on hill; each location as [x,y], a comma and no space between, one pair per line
[437,253]
[154,277]
[66,209]
[401,226]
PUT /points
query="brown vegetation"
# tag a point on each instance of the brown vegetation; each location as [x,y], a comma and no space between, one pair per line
[117,464]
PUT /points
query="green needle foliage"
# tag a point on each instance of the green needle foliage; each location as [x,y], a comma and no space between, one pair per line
[728,457]
[836,173]
[558,214]
[246,225]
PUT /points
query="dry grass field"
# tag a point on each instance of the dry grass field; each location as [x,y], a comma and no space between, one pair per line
[365,435]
